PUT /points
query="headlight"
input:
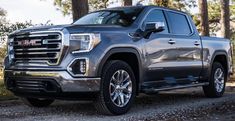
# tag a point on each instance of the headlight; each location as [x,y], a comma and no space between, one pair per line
[86,41]
[10,50]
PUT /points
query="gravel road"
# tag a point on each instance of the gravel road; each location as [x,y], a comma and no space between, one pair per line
[186,104]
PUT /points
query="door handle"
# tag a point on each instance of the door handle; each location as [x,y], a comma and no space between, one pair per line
[196,43]
[171,41]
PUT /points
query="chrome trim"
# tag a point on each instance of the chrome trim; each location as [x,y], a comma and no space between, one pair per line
[62,45]
[69,69]
[39,49]
[120,88]
[61,49]
[219,80]
[176,87]
[20,53]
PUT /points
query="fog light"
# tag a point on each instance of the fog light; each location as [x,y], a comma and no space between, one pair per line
[79,67]
[82,66]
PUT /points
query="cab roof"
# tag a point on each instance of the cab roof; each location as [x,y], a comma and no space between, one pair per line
[143,7]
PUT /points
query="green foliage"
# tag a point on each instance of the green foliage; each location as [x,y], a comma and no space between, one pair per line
[6,28]
[65,6]
[4,93]
[183,5]
[2,12]
[98,4]
[214,16]
[3,51]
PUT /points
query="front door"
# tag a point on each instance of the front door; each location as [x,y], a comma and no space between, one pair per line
[160,53]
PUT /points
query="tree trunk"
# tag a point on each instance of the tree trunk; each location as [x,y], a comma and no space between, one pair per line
[79,8]
[225,19]
[127,2]
[204,17]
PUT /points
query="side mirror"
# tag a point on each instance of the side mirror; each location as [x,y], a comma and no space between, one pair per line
[149,28]
[154,27]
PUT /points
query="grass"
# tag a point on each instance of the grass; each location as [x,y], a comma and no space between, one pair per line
[4,93]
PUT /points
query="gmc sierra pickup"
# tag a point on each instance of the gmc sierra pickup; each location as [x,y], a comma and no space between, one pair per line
[112,55]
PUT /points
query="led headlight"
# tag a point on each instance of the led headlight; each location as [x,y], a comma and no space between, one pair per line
[87,41]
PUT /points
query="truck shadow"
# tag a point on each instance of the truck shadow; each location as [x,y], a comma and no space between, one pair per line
[86,109]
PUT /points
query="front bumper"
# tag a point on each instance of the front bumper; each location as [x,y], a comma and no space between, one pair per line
[48,82]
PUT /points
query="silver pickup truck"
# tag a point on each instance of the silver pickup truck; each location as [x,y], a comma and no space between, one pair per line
[112,55]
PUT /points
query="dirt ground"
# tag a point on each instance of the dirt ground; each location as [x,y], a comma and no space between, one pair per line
[185,104]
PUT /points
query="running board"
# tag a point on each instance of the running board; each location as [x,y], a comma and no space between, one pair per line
[151,89]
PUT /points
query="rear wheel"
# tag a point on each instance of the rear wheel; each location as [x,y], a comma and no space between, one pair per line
[36,102]
[217,81]
[118,88]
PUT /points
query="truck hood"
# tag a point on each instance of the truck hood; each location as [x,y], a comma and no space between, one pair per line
[38,29]
[71,29]
[96,28]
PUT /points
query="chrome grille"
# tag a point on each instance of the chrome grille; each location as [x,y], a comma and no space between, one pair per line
[38,48]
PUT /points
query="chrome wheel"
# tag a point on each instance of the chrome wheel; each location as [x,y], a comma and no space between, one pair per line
[219,79]
[120,88]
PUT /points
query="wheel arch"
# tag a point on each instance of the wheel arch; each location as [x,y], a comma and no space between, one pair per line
[222,57]
[124,51]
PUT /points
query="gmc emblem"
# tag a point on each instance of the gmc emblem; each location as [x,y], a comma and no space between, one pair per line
[28,42]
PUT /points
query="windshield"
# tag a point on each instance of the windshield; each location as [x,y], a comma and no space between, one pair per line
[123,17]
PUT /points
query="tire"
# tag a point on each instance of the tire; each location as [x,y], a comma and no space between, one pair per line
[217,81]
[34,102]
[116,97]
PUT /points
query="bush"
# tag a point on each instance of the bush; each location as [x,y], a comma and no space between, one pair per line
[1,73]
[4,93]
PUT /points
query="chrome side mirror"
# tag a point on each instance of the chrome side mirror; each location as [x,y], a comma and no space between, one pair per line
[154,26]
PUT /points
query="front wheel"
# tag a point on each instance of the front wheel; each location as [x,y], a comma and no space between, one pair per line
[217,81]
[118,88]
[35,102]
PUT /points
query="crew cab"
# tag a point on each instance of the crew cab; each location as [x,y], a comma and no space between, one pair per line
[112,55]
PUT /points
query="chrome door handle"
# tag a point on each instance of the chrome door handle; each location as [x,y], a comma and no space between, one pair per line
[196,43]
[171,41]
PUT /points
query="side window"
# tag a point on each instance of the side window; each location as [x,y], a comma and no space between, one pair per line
[157,16]
[179,23]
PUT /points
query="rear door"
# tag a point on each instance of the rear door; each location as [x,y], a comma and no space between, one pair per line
[189,60]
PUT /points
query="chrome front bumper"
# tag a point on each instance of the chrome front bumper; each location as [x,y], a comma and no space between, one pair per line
[66,82]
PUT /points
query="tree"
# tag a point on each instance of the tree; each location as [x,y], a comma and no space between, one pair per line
[2,16]
[127,2]
[6,28]
[79,8]
[2,12]
[182,5]
[214,16]
[164,3]
[3,51]
[225,19]
[97,5]
[65,6]
[203,8]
